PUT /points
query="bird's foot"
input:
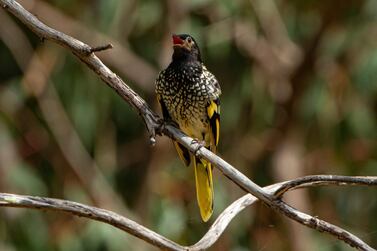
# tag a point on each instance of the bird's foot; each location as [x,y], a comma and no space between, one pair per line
[199,144]
[163,123]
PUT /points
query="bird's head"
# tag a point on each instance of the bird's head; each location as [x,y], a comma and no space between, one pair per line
[185,47]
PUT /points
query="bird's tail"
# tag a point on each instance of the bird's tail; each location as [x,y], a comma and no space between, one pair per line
[204,187]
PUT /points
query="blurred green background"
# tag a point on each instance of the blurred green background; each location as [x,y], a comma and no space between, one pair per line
[299,82]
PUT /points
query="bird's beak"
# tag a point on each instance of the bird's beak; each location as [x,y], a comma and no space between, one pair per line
[177,41]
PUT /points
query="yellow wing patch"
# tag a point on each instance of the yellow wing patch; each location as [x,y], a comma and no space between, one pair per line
[213,111]
[217,131]
[212,107]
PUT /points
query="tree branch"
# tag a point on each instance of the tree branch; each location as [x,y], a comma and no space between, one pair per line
[325,180]
[278,189]
[154,124]
[215,231]
[84,53]
[98,214]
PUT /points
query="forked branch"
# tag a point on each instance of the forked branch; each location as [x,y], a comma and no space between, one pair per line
[215,231]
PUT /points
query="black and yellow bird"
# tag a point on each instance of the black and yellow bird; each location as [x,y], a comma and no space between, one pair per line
[189,96]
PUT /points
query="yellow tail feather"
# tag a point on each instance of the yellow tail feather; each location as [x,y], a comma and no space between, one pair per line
[204,187]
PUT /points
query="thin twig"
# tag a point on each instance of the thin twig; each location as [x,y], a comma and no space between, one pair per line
[154,124]
[101,48]
[322,180]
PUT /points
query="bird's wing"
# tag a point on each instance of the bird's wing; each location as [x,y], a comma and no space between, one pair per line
[213,108]
[203,168]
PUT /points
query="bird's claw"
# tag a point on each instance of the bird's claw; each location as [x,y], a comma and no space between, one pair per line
[199,144]
[160,127]
[162,124]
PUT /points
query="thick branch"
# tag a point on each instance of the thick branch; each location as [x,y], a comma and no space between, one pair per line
[153,124]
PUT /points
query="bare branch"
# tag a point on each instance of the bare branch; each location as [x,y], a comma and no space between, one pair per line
[83,52]
[217,228]
[116,220]
[269,198]
[154,124]
[325,180]
[222,221]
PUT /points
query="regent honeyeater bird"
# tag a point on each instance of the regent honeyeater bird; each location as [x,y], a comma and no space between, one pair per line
[189,96]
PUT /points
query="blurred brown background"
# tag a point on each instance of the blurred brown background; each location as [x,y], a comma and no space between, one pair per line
[299,81]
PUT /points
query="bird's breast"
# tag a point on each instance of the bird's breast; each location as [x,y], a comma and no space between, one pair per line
[187,107]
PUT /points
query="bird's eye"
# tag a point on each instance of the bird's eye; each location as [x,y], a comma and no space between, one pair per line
[189,40]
